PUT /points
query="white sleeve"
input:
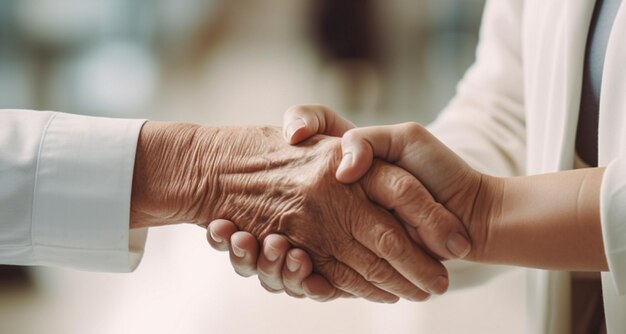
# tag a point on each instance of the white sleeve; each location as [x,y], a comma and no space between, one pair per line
[485,122]
[613,220]
[65,186]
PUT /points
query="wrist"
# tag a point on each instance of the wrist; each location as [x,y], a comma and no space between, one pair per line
[549,221]
[484,223]
[172,161]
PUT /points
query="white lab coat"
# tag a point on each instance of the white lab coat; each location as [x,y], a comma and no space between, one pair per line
[516,112]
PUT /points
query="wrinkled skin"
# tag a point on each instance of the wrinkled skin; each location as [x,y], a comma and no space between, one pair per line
[426,219]
[250,176]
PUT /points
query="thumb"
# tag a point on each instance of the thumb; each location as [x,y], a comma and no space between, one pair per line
[304,121]
[357,154]
[409,146]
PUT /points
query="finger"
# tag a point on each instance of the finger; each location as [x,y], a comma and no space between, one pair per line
[297,268]
[382,234]
[303,121]
[318,288]
[379,272]
[345,278]
[299,279]
[439,229]
[219,232]
[271,260]
[244,251]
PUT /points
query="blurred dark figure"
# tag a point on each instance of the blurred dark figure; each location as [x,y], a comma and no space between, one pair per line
[12,277]
[345,31]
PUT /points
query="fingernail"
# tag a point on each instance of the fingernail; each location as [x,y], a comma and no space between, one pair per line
[439,286]
[294,126]
[346,161]
[238,252]
[270,254]
[458,245]
[292,265]
[215,237]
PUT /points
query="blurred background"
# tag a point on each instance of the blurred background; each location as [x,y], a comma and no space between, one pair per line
[236,63]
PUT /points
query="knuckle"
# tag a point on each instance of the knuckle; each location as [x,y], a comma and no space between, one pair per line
[390,244]
[405,187]
[435,218]
[379,273]
[412,129]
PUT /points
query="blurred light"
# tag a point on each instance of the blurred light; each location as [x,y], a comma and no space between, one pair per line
[61,22]
[16,81]
[114,79]
[179,21]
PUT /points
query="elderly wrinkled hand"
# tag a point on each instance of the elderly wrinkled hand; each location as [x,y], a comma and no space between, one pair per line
[429,223]
[251,177]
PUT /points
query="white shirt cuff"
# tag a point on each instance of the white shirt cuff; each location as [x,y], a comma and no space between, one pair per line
[613,217]
[81,203]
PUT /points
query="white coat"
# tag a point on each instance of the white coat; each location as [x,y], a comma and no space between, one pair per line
[516,113]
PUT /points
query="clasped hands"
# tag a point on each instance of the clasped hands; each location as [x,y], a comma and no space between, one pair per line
[422,205]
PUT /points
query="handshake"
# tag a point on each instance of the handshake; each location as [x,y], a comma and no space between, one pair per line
[376,229]
[371,214]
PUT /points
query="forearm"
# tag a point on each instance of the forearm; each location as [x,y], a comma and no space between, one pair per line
[165,153]
[549,221]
